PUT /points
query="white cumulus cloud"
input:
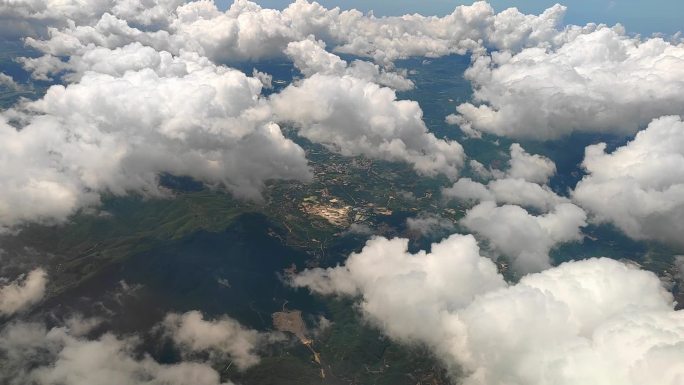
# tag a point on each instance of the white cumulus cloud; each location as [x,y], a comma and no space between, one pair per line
[595,321]
[116,134]
[530,167]
[311,58]
[602,81]
[391,281]
[23,292]
[34,354]
[223,338]
[353,116]
[639,187]
[517,213]
[526,239]
[246,31]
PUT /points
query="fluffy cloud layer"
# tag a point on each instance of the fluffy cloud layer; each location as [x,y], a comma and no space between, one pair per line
[603,81]
[596,321]
[168,47]
[145,51]
[523,183]
[224,338]
[640,186]
[542,80]
[33,17]
[148,96]
[311,58]
[392,280]
[353,116]
[22,293]
[71,355]
[114,62]
[524,238]
[33,354]
[116,134]
[530,167]
[26,17]
[517,213]
[133,112]
[248,32]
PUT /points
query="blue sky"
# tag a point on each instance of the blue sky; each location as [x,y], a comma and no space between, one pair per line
[640,16]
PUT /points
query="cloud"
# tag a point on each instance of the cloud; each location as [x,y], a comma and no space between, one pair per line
[150,14]
[265,79]
[8,82]
[523,183]
[174,45]
[525,238]
[531,220]
[116,134]
[34,17]
[532,168]
[593,321]
[523,193]
[358,229]
[480,170]
[225,135]
[429,225]
[177,41]
[351,114]
[311,58]
[468,28]
[33,354]
[115,62]
[243,32]
[353,117]
[26,17]
[246,31]
[391,281]
[147,95]
[602,81]
[507,191]
[71,355]
[596,321]
[467,190]
[22,293]
[224,338]
[639,187]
